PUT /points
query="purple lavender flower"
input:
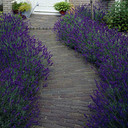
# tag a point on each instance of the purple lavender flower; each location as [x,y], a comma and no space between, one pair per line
[22,65]
[107,50]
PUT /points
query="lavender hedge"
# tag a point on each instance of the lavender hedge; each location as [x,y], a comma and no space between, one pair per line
[108,51]
[24,61]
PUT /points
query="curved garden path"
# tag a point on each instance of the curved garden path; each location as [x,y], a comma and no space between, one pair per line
[64,101]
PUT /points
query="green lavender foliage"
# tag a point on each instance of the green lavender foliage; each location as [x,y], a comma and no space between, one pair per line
[108,50]
[24,61]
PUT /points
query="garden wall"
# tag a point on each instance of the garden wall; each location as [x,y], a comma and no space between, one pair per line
[79,2]
[7,6]
[109,3]
[106,3]
[1,1]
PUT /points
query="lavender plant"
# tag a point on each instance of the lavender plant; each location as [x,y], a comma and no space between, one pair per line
[15,110]
[111,98]
[108,50]
[14,24]
[99,11]
[67,25]
[24,61]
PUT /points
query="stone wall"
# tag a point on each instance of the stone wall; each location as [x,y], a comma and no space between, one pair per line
[7,6]
[110,3]
[1,2]
[79,2]
[106,3]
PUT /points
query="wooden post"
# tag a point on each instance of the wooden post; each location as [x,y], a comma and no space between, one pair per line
[92,13]
[7,6]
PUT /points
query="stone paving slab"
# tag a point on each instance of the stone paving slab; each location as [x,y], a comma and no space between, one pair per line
[64,101]
[42,21]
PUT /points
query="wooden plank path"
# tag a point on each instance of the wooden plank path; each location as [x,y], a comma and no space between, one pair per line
[64,101]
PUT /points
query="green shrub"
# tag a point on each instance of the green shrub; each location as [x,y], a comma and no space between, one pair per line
[117,17]
[25,7]
[15,6]
[1,13]
[62,6]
